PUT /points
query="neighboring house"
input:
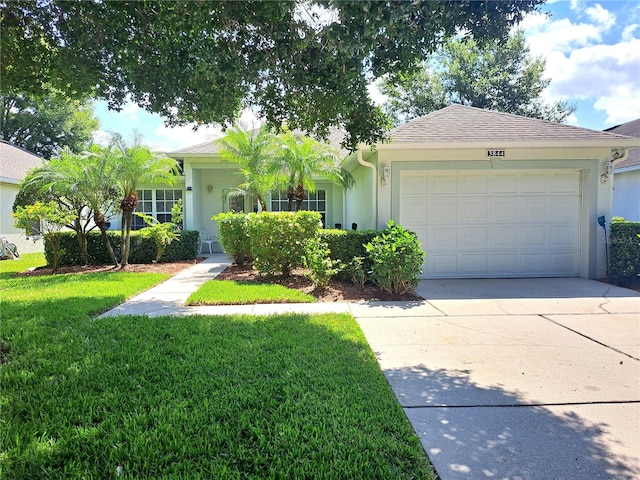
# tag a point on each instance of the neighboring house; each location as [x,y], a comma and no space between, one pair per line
[14,165]
[626,176]
[488,194]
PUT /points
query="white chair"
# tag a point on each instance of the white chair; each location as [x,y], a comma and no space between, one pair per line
[206,239]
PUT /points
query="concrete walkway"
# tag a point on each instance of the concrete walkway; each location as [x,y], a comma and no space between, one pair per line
[514,379]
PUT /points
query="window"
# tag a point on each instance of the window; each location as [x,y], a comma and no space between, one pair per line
[157,203]
[316,201]
[232,200]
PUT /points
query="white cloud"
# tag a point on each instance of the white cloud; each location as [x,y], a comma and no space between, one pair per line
[628,32]
[544,36]
[580,63]
[167,138]
[603,18]
[101,137]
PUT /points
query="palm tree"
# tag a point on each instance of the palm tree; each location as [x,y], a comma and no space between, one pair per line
[252,150]
[137,165]
[301,160]
[61,180]
[84,181]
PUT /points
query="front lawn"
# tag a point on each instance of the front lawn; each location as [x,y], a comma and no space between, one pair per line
[290,396]
[226,292]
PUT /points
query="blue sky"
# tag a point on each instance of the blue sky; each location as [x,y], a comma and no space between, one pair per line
[592,50]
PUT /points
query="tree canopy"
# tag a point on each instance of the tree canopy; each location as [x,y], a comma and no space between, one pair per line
[45,124]
[501,76]
[306,62]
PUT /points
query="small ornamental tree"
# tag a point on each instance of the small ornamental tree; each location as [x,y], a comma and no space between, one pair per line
[397,259]
[162,234]
[51,220]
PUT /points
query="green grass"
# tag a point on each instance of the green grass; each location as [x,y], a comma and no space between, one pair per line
[237,397]
[225,292]
[27,260]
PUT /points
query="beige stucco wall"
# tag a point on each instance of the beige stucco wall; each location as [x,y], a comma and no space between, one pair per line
[8,192]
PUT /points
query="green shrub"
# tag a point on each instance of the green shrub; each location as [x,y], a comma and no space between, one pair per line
[347,245]
[397,258]
[143,250]
[317,259]
[278,239]
[233,235]
[624,251]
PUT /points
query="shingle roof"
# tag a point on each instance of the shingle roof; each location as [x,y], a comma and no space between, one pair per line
[211,148]
[632,129]
[460,124]
[16,162]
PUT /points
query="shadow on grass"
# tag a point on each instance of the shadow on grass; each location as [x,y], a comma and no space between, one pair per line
[288,396]
[469,431]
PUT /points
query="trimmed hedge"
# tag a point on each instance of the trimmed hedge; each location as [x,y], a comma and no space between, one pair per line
[233,235]
[278,239]
[143,250]
[345,245]
[624,251]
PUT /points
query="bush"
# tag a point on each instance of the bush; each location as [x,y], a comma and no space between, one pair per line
[143,250]
[397,258]
[347,246]
[278,239]
[624,251]
[319,262]
[234,236]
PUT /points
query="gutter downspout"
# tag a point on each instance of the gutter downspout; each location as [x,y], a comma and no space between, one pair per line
[374,188]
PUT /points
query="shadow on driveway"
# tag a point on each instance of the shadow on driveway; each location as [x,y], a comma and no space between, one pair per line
[493,434]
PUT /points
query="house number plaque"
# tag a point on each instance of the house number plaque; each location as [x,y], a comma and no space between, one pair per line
[495,153]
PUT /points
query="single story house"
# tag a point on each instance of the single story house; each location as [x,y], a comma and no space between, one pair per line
[489,194]
[15,162]
[626,176]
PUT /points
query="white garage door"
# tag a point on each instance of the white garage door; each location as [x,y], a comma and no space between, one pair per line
[487,224]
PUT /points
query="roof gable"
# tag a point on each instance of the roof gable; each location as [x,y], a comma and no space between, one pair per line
[211,148]
[15,162]
[631,129]
[463,124]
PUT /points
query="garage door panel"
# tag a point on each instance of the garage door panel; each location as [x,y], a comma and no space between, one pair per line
[442,184]
[563,263]
[533,236]
[441,210]
[441,238]
[563,236]
[568,183]
[413,209]
[415,184]
[504,183]
[489,224]
[474,237]
[474,264]
[505,210]
[442,265]
[535,183]
[534,209]
[474,184]
[474,210]
[565,209]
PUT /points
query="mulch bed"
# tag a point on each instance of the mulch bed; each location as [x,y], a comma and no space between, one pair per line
[168,268]
[337,291]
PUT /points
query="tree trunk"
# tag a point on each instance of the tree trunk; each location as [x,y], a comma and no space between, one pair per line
[99,220]
[127,217]
[82,242]
[290,196]
[299,196]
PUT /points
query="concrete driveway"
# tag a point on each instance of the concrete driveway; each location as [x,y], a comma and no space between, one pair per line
[516,379]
